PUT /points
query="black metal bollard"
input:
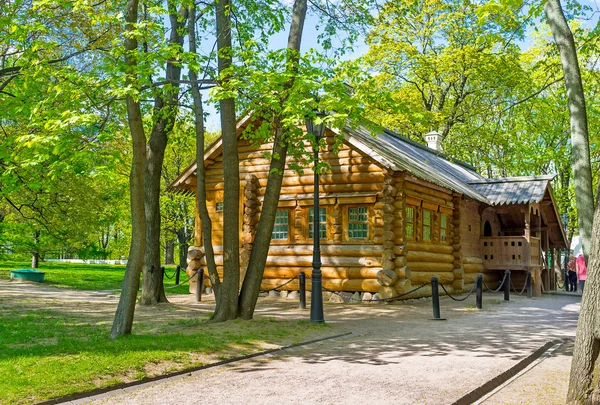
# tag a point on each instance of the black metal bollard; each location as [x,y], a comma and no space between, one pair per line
[177,271]
[199,284]
[479,292]
[507,285]
[529,285]
[435,299]
[163,272]
[302,291]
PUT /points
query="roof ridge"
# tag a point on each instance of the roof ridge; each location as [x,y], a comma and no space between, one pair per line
[428,149]
[516,179]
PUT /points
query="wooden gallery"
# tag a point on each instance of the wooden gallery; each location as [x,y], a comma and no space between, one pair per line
[393,214]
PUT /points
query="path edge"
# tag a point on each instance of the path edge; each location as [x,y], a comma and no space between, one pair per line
[479,392]
[101,392]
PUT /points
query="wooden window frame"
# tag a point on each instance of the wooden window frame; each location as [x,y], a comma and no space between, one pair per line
[431,227]
[345,222]
[289,231]
[328,224]
[413,222]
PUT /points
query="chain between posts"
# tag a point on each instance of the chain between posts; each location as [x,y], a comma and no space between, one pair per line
[378,299]
[499,287]
[524,287]
[282,285]
[177,285]
[459,299]
[164,270]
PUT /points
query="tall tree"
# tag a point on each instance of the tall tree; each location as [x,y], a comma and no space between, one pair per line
[123,321]
[584,387]
[166,104]
[580,152]
[201,206]
[228,300]
[254,274]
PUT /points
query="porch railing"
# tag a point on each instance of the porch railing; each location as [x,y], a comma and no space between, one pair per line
[510,252]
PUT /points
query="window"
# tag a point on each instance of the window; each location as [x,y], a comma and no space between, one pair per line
[358,222]
[219,207]
[443,227]
[281,227]
[426,225]
[410,222]
[322,223]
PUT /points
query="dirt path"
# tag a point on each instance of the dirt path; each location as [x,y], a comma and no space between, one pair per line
[396,355]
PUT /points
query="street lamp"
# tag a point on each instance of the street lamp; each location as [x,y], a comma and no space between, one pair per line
[316,292]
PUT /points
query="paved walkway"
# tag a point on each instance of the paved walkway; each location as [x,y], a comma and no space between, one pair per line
[396,355]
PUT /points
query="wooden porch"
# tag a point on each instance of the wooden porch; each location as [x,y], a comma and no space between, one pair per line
[511,253]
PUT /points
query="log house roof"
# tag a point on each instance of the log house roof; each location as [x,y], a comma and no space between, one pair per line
[398,153]
[512,190]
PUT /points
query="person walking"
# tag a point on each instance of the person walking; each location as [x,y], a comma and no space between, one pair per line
[581,270]
[572,268]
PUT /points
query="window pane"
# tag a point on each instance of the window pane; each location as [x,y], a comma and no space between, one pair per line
[219,207]
[410,220]
[358,227]
[426,225]
[410,214]
[426,232]
[426,217]
[280,229]
[443,226]
[322,223]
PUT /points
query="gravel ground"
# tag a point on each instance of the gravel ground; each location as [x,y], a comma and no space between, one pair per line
[396,355]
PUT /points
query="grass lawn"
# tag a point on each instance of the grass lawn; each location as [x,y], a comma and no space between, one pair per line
[50,346]
[89,276]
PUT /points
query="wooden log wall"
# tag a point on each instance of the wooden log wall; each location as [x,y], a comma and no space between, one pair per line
[459,271]
[351,172]
[346,266]
[394,278]
[401,267]
[250,220]
[425,259]
[388,263]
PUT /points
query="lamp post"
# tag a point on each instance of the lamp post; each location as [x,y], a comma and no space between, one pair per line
[316,291]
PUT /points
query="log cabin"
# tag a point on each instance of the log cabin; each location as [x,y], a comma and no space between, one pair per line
[393,213]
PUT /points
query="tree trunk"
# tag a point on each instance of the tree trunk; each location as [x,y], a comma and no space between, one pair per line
[201,206]
[580,157]
[165,109]
[35,255]
[260,249]
[228,296]
[124,315]
[582,389]
[584,367]
[170,252]
[183,247]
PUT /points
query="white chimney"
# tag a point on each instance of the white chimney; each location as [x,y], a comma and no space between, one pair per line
[434,140]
